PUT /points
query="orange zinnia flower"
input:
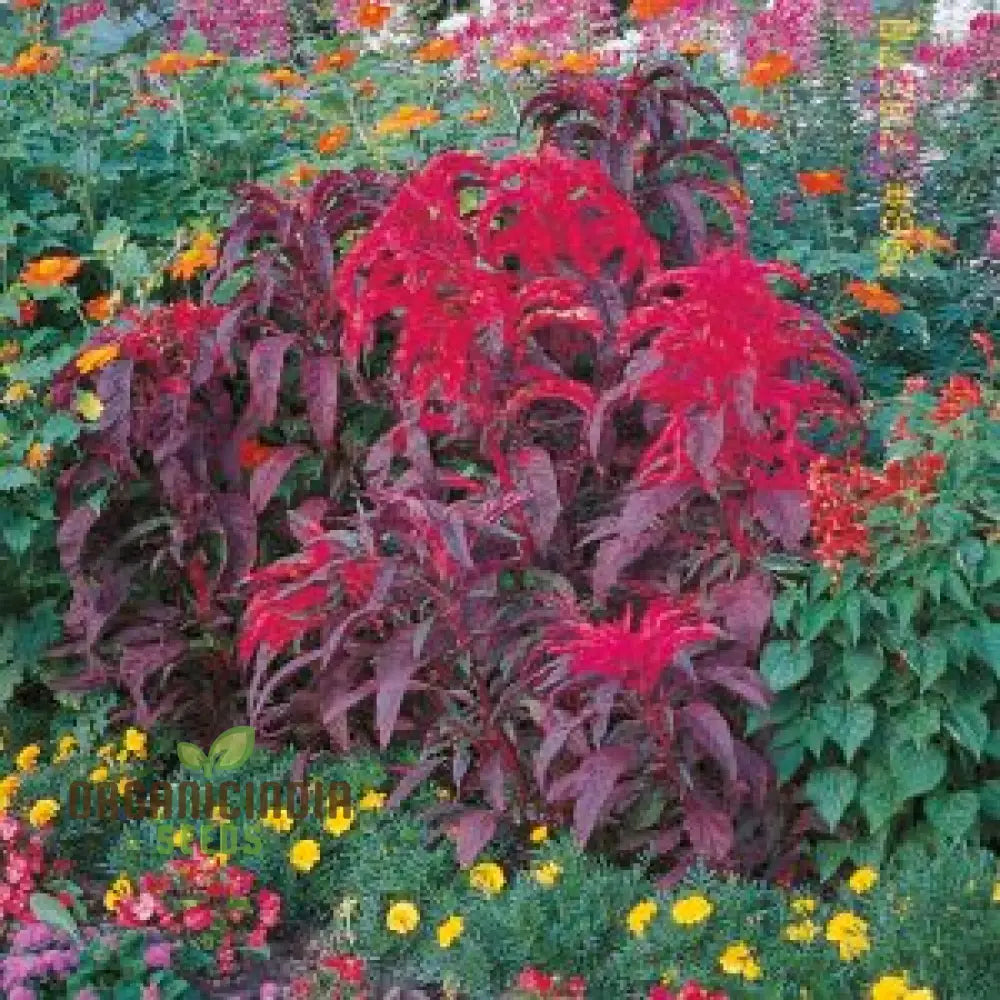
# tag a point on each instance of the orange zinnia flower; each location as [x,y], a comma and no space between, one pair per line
[923,238]
[201,255]
[580,63]
[521,57]
[406,119]
[329,142]
[36,60]
[335,61]
[815,183]
[373,15]
[103,307]
[691,50]
[283,77]
[171,64]
[479,116]
[27,4]
[771,69]
[48,272]
[873,296]
[300,175]
[366,88]
[96,358]
[254,454]
[649,10]
[437,50]
[750,118]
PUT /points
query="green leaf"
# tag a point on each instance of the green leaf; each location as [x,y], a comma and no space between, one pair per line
[857,723]
[877,798]
[952,814]
[917,770]
[931,663]
[15,477]
[830,855]
[905,600]
[831,790]
[851,615]
[191,756]
[958,591]
[50,911]
[862,668]
[986,644]
[817,617]
[784,665]
[989,799]
[232,749]
[992,748]
[969,725]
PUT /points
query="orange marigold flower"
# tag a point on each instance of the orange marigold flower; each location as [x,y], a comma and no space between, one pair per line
[48,272]
[580,63]
[437,50]
[521,57]
[10,350]
[38,456]
[873,296]
[406,119]
[171,64]
[366,88]
[750,118]
[96,358]
[329,142]
[478,116]
[254,454]
[769,70]
[373,15]
[283,77]
[335,61]
[103,307]
[300,175]
[27,4]
[36,60]
[201,255]
[693,49]
[649,10]
[815,183]
[922,238]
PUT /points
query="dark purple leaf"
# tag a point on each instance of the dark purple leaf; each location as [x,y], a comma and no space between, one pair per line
[709,829]
[320,383]
[472,833]
[785,513]
[535,478]
[267,477]
[709,729]
[395,666]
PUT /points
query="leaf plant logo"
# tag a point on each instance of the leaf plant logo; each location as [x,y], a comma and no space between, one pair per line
[229,752]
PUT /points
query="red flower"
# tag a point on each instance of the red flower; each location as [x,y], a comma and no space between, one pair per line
[253,454]
[350,968]
[197,919]
[27,312]
[959,395]
[534,981]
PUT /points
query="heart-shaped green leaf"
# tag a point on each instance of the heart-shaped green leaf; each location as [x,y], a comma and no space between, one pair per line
[232,749]
[191,756]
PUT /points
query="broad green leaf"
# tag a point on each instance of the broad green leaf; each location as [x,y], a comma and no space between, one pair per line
[857,723]
[917,770]
[783,664]
[15,477]
[817,617]
[862,668]
[931,663]
[232,749]
[50,911]
[917,722]
[989,799]
[877,798]
[905,600]
[952,814]
[191,756]
[969,725]
[831,790]
[987,645]
[851,615]
[830,855]
[956,588]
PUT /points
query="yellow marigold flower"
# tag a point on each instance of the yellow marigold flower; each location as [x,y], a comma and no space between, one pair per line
[43,812]
[283,77]
[35,60]
[278,820]
[691,910]
[738,960]
[134,742]
[8,789]
[996,891]
[10,350]
[547,874]
[340,822]
[802,933]
[450,930]
[120,889]
[99,774]
[890,988]
[38,456]
[407,118]
[103,307]
[925,993]
[372,801]
[849,933]
[437,50]
[106,752]
[863,880]
[804,907]
[48,272]
[478,116]
[17,392]
[304,855]
[201,255]
[330,142]
[27,757]
[89,406]
[640,916]
[65,748]
[402,918]
[488,877]
[96,358]
[539,834]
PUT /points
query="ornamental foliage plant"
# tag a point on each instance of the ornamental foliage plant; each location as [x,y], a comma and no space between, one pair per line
[886,653]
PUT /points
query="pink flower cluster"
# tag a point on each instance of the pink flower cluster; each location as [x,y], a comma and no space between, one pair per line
[793,26]
[247,27]
[36,956]
[78,14]
[22,858]
[225,907]
[952,67]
